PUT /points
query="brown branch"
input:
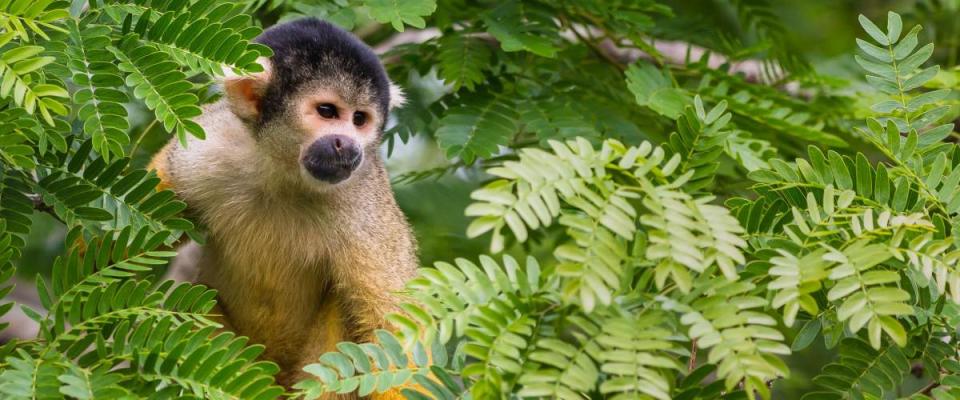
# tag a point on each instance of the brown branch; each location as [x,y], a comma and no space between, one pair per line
[39,205]
[406,37]
[927,390]
[693,356]
[623,52]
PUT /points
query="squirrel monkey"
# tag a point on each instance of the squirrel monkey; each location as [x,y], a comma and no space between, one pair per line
[305,242]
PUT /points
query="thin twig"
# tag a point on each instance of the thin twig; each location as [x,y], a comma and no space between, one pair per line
[596,49]
[929,388]
[693,356]
[133,150]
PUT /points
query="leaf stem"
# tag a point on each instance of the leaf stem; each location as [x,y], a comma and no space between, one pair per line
[136,145]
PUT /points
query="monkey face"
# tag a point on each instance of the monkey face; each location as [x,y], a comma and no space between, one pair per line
[336,131]
[325,135]
[318,109]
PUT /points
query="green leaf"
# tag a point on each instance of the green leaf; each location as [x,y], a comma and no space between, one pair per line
[654,89]
[861,370]
[521,26]
[894,26]
[874,31]
[22,82]
[806,335]
[463,60]
[399,12]
[166,94]
[477,128]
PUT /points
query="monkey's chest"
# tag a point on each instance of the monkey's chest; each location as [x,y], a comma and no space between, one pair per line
[294,329]
[275,287]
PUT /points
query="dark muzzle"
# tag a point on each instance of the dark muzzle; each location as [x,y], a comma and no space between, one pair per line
[332,158]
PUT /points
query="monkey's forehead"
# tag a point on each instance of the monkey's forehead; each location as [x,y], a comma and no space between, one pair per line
[307,51]
[348,89]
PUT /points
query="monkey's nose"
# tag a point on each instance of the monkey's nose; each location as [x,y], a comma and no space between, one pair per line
[332,158]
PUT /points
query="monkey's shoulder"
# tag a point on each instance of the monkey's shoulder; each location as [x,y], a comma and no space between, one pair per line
[160,164]
[227,146]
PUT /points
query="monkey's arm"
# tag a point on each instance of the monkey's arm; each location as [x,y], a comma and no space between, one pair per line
[371,268]
[371,295]
[372,272]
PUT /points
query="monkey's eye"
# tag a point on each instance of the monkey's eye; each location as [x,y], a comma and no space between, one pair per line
[327,110]
[359,118]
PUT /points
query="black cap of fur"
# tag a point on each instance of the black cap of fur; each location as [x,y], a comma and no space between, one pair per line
[309,49]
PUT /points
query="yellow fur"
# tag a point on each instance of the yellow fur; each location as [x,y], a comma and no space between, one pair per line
[159,164]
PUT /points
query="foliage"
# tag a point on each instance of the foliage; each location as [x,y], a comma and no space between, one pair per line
[659,226]
[109,328]
[649,276]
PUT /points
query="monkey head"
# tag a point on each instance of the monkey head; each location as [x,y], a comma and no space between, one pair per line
[318,109]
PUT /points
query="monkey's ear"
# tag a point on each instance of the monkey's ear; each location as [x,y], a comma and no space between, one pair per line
[397,98]
[243,92]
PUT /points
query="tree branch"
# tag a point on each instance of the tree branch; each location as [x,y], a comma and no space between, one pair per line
[39,205]
[672,52]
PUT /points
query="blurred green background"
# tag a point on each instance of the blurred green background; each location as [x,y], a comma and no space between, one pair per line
[824,29]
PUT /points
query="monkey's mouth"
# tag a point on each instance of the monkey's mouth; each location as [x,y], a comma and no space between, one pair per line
[332,170]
